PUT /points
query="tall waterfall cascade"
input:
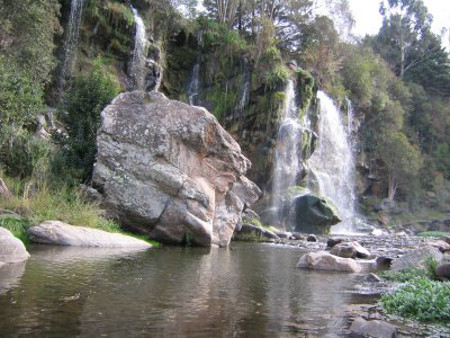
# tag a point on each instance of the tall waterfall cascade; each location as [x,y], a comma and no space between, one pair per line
[194,84]
[332,164]
[137,64]
[72,33]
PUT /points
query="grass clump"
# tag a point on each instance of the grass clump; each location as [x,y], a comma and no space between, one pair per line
[434,234]
[405,276]
[421,299]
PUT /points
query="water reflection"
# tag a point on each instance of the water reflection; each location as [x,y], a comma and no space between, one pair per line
[251,290]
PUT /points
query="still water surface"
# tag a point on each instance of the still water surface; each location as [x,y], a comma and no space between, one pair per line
[251,290]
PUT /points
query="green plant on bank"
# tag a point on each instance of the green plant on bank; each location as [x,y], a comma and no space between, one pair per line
[405,276]
[27,208]
[276,77]
[421,299]
[434,234]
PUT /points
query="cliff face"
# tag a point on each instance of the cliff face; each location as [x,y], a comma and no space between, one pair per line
[246,95]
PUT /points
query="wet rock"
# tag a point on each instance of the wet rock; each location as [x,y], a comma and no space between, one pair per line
[298,236]
[373,278]
[59,233]
[312,238]
[333,241]
[350,250]
[170,171]
[250,232]
[446,239]
[312,214]
[443,271]
[372,328]
[416,258]
[12,250]
[323,260]
[283,234]
[441,245]
[384,262]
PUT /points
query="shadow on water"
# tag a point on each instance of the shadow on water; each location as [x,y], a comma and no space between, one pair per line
[248,290]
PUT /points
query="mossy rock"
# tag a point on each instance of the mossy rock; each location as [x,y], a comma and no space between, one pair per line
[313,214]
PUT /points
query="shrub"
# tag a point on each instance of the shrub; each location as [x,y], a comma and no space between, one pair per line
[420,299]
[82,117]
[20,103]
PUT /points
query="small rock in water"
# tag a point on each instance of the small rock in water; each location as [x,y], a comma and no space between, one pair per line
[312,238]
[350,250]
[384,262]
[12,250]
[373,328]
[322,260]
[373,278]
[333,241]
[298,236]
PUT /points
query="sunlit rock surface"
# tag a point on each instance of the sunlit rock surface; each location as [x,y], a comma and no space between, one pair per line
[170,171]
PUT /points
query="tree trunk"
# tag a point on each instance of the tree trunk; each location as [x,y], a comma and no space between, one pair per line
[4,191]
[392,187]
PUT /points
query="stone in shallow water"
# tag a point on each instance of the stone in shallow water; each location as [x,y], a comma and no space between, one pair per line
[323,260]
[12,250]
[350,250]
[59,233]
[312,214]
[373,328]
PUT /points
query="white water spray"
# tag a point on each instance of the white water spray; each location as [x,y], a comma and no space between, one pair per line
[137,65]
[332,163]
[287,152]
[70,43]
[194,84]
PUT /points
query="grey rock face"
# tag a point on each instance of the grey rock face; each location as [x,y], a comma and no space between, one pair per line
[59,233]
[416,258]
[170,171]
[12,250]
[373,328]
[323,260]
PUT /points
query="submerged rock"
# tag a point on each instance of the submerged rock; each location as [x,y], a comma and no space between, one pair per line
[323,260]
[59,233]
[312,214]
[12,250]
[372,328]
[170,171]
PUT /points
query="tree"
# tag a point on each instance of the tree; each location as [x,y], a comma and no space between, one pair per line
[27,30]
[402,160]
[85,102]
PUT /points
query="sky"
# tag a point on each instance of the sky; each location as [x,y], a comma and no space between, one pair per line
[368,20]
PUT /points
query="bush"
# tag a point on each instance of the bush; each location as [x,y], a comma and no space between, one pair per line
[420,299]
[82,117]
[20,103]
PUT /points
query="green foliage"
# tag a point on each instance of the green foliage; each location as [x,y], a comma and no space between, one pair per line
[434,234]
[18,228]
[27,30]
[276,77]
[405,276]
[20,103]
[85,102]
[420,299]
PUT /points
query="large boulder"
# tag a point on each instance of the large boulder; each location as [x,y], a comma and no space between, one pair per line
[417,258]
[59,233]
[312,214]
[12,250]
[372,328]
[170,171]
[323,260]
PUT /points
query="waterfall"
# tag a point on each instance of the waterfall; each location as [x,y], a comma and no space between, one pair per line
[332,163]
[287,152]
[70,43]
[245,94]
[137,64]
[194,84]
